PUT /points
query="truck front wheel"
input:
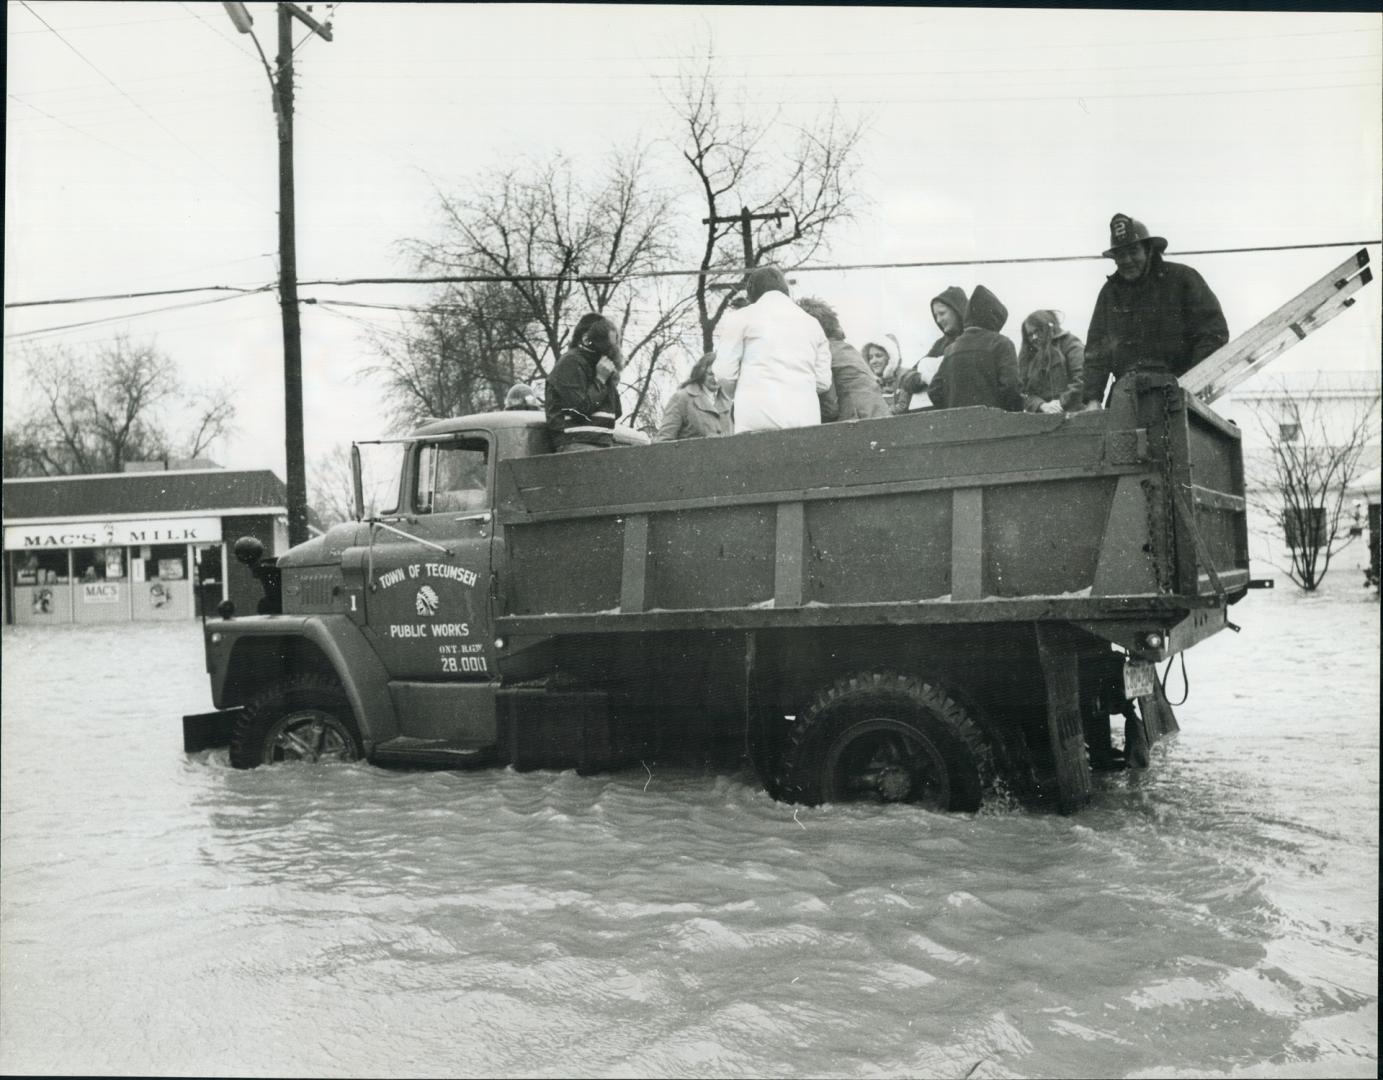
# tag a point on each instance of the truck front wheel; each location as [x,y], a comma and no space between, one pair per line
[300,718]
[884,737]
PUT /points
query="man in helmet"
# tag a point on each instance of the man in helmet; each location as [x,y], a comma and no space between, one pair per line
[1151,315]
[521,396]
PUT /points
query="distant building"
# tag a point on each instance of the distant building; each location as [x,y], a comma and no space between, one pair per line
[1321,406]
[137,545]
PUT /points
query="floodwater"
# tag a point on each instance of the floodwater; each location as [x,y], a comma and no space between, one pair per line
[1217,915]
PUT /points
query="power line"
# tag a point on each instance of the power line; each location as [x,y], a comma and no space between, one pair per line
[737,271]
[177,328]
[142,295]
[987,49]
[1151,70]
[79,131]
[223,36]
[181,76]
[99,26]
[122,93]
[1066,95]
[128,315]
[593,279]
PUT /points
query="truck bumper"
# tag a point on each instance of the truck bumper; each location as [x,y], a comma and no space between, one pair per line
[207,731]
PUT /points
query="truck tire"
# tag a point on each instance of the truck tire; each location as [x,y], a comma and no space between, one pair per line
[885,737]
[300,718]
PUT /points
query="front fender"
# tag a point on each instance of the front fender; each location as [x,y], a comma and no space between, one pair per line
[246,654]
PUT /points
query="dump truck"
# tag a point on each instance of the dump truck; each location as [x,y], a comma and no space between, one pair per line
[926,608]
[915,608]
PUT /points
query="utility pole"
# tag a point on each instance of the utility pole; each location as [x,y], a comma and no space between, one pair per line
[281,78]
[288,275]
[745,218]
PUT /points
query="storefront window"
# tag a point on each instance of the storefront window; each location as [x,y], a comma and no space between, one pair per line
[162,562]
[99,564]
[40,568]
[42,587]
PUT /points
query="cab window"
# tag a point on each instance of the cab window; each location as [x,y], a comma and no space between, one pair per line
[453,476]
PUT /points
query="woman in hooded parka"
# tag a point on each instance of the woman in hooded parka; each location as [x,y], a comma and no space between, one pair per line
[882,355]
[949,308]
[1051,365]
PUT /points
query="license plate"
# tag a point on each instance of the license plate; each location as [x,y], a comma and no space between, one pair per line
[1138,679]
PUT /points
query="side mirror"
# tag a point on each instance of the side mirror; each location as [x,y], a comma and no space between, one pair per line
[357,487]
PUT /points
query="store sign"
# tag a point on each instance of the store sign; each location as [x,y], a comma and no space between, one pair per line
[114,533]
[100,593]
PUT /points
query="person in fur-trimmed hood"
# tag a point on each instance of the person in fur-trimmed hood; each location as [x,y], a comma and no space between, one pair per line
[948,311]
[981,366]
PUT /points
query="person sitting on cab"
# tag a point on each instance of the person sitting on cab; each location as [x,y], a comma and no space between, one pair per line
[582,394]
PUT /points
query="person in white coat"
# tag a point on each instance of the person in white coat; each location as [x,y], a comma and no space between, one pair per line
[772,358]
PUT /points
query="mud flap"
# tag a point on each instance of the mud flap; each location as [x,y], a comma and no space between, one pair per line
[1065,728]
[1153,719]
[1157,714]
[208,731]
[558,729]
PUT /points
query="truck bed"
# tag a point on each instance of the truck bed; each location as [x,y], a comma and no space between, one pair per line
[963,515]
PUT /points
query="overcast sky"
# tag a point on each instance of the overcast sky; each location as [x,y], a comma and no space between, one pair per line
[141,154]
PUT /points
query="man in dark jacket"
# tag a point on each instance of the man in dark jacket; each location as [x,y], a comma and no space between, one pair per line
[981,366]
[582,394]
[1151,315]
[948,312]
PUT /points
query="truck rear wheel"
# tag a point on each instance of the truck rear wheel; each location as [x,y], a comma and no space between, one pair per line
[300,718]
[884,737]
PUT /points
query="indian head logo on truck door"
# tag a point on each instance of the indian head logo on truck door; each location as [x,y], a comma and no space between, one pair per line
[427,601]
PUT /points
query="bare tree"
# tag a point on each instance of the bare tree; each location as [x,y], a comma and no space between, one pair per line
[92,412]
[556,247]
[1316,446]
[331,491]
[760,165]
[459,355]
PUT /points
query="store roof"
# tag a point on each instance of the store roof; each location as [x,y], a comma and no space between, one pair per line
[152,493]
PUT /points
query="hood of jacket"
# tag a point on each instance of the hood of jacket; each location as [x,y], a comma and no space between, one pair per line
[889,344]
[953,296]
[985,311]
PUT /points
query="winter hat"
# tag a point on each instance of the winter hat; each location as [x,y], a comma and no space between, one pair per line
[953,296]
[985,311]
[1124,230]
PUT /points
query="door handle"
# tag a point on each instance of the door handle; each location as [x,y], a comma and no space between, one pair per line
[484,518]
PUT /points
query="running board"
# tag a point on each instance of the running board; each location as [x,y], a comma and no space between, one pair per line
[436,753]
